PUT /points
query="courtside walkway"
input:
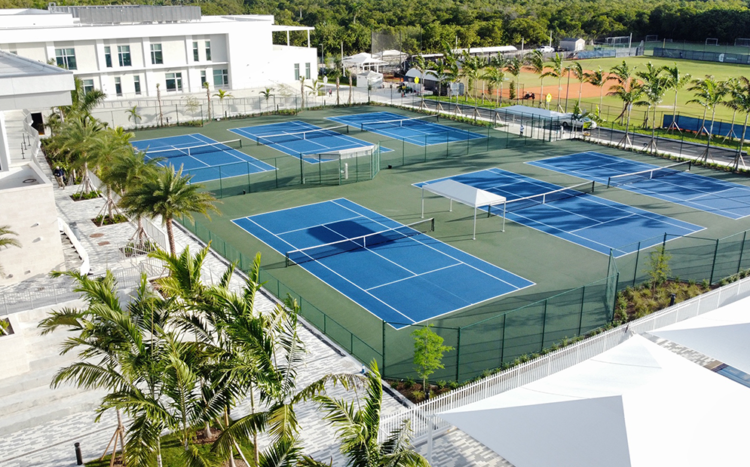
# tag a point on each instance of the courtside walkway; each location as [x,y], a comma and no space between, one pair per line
[43,424]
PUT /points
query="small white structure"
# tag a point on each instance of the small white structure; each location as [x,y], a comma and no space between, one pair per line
[572,44]
[723,334]
[370,79]
[391,56]
[464,194]
[636,405]
[363,61]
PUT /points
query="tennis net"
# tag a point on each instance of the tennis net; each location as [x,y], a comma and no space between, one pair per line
[544,198]
[194,150]
[399,123]
[269,140]
[659,172]
[318,252]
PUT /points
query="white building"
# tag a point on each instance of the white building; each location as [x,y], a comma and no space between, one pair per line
[126,51]
[573,44]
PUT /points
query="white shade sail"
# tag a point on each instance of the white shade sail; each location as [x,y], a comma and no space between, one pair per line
[636,405]
[723,334]
[465,194]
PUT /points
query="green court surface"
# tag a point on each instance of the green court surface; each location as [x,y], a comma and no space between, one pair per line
[575,286]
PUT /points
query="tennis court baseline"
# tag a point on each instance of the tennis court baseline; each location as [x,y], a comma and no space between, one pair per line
[572,214]
[420,131]
[204,167]
[407,279]
[297,138]
[708,194]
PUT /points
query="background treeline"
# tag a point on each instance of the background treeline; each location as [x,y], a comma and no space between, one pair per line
[425,24]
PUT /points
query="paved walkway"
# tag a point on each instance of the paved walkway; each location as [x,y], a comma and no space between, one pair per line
[51,444]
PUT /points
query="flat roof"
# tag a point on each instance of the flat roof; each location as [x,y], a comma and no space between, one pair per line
[21,176]
[12,66]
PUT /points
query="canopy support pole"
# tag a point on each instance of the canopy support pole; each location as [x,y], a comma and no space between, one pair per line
[475,222]
[450,205]
[422,202]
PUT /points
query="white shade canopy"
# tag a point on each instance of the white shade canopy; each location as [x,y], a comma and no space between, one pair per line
[465,194]
[637,405]
[723,334]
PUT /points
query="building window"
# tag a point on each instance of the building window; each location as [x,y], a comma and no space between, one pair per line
[66,58]
[296,71]
[208,51]
[137,83]
[108,57]
[203,78]
[174,82]
[123,54]
[156,56]
[118,86]
[221,78]
[88,85]
[196,56]
[307,70]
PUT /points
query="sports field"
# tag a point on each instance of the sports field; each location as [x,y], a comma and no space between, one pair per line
[459,281]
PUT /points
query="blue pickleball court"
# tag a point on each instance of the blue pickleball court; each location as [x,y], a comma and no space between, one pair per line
[708,194]
[299,138]
[421,131]
[218,163]
[410,278]
[573,214]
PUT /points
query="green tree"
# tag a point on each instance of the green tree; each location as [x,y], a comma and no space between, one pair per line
[168,194]
[494,77]
[222,94]
[655,85]
[6,241]
[158,101]
[557,70]
[623,75]
[81,136]
[597,78]
[577,69]
[428,354]
[133,115]
[742,100]
[111,145]
[357,425]
[629,93]
[207,87]
[536,64]
[336,74]
[659,269]
[419,64]
[515,65]
[267,93]
[708,93]
[677,81]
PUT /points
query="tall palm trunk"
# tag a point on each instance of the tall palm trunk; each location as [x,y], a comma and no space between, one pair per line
[208,101]
[337,91]
[580,91]
[541,97]
[730,135]
[350,89]
[674,109]
[170,234]
[742,143]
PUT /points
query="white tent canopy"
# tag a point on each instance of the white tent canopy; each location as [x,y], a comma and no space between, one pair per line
[465,194]
[363,61]
[723,334]
[636,405]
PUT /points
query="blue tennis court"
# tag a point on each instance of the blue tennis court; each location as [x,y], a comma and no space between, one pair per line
[404,277]
[572,214]
[421,131]
[708,194]
[220,161]
[300,138]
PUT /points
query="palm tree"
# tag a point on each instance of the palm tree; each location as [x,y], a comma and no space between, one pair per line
[735,92]
[708,93]
[128,171]
[349,74]
[208,99]
[471,69]
[6,241]
[742,100]
[315,86]
[267,93]
[358,425]
[629,93]
[514,68]
[494,77]
[622,74]
[452,76]
[82,102]
[222,94]
[580,75]
[134,115]
[419,64]
[112,145]
[536,63]
[158,100]
[677,81]
[597,78]
[441,69]
[655,85]
[302,91]
[81,137]
[168,194]
[336,74]
[557,70]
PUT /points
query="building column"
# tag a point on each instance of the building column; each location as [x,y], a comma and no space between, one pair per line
[4,150]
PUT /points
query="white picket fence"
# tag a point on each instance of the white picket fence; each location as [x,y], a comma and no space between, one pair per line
[424,417]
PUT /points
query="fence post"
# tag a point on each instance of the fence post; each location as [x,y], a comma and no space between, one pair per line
[637,257]
[664,243]
[742,250]
[544,324]
[458,354]
[502,345]
[382,332]
[580,318]
[713,264]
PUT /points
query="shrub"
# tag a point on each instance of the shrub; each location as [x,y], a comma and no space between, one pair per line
[408,383]
[417,395]
[84,196]
[441,384]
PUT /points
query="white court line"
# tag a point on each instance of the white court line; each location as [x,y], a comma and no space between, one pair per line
[415,275]
[319,225]
[334,272]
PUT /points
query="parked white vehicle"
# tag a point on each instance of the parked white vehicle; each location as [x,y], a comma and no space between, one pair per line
[569,121]
[546,49]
